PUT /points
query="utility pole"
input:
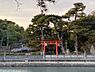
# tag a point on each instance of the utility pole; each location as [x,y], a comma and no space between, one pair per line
[66,46]
[42,34]
[7,38]
[42,37]
[62,42]
[76,44]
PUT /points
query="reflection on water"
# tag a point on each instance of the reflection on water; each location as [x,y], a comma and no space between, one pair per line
[47,69]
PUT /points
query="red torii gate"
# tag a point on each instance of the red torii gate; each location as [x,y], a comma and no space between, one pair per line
[45,42]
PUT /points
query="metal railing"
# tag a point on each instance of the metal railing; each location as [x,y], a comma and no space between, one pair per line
[48,58]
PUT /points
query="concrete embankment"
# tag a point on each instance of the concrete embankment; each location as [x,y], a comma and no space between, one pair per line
[47,64]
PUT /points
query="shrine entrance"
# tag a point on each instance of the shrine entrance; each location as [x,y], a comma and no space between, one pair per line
[51,42]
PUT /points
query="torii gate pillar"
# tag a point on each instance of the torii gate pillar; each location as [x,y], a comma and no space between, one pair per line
[56,42]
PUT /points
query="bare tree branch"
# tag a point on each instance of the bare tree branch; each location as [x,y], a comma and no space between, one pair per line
[40,3]
[18,4]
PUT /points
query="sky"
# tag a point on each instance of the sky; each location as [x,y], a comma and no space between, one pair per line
[28,9]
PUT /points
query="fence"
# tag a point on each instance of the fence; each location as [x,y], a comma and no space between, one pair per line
[48,58]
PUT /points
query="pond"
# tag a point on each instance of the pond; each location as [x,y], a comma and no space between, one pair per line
[47,69]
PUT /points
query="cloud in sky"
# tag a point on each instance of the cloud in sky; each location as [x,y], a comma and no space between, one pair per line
[28,9]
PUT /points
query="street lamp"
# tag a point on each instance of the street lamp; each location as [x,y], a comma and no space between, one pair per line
[65,26]
[76,42]
[42,37]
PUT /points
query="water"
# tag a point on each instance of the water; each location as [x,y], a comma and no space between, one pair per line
[47,69]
